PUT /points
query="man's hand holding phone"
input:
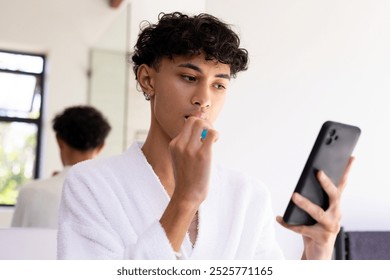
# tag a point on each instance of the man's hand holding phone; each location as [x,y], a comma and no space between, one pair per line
[319,238]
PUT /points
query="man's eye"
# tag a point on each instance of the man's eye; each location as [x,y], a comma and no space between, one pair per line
[189,78]
[219,86]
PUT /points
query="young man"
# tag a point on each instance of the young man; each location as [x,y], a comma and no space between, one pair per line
[80,133]
[165,199]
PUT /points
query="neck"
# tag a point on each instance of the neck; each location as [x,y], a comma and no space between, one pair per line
[156,151]
[74,156]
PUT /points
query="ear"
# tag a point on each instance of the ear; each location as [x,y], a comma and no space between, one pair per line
[100,148]
[145,79]
[60,142]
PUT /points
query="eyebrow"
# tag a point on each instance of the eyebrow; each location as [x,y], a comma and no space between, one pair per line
[198,69]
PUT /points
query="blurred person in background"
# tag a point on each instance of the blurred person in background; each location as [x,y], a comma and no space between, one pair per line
[80,133]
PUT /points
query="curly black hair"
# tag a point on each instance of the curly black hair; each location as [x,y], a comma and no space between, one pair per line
[180,34]
[81,127]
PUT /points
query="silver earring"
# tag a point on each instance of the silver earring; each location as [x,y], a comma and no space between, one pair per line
[147,96]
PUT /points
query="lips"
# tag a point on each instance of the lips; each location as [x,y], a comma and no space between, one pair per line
[199,115]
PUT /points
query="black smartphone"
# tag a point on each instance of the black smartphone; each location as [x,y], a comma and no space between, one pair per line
[330,153]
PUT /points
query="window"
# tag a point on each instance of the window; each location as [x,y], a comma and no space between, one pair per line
[21,96]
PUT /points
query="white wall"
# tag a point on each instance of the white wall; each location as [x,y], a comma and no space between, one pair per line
[311,61]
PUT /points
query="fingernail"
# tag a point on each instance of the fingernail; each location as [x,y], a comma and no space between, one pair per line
[204,134]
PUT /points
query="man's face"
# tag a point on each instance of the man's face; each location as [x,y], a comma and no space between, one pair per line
[187,86]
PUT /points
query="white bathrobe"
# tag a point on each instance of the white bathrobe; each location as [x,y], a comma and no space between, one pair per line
[38,202]
[111,209]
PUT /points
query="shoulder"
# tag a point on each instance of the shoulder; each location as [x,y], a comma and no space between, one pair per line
[93,170]
[37,185]
[104,173]
[106,165]
[39,190]
[95,165]
[28,191]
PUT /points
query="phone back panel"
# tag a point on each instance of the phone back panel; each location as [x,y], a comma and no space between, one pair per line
[331,152]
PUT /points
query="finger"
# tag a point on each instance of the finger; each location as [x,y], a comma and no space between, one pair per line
[211,137]
[315,211]
[344,179]
[208,142]
[328,186]
[185,134]
[298,229]
[200,129]
[204,134]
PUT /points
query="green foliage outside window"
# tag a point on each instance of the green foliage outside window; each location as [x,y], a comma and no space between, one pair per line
[17,155]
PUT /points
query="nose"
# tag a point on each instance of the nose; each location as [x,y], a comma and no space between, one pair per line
[202,98]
